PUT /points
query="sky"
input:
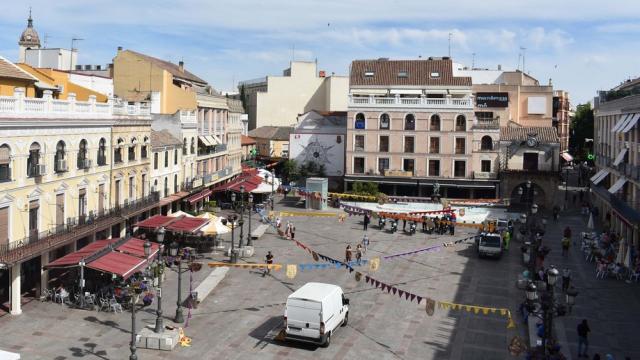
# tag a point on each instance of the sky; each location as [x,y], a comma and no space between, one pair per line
[582,45]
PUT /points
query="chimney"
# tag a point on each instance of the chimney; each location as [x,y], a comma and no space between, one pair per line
[322,73]
[119,49]
[181,65]
[499,67]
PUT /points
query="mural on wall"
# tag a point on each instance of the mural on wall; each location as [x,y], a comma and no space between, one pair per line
[327,150]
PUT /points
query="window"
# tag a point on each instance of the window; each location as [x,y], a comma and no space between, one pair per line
[434,145]
[384,143]
[58,160]
[461,123]
[175,157]
[486,143]
[117,152]
[184,146]
[434,124]
[408,164]
[410,122]
[193,146]
[34,160]
[369,74]
[175,183]
[484,115]
[485,165]
[408,144]
[102,152]
[358,165]
[143,149]
[4,226]
[155,161]
[383,165]
[530,161]
[166,187]
[385,122]
[360,121]
[82,155]
[459,168]
[132,182]
[82,204]
[132,150]
[434,75]
[34,206]
[434,167]
[403,74]
[166,158]
[460,146]
[5,161]
[358,144]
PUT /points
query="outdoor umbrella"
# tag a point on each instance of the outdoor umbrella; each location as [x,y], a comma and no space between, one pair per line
[180,213]
[627,259]
[620,255]
[590,223]
[215,227]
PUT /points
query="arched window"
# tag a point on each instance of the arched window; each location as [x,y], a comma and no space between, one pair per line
[83,158]
[461,123]
[184,146]
[175,183]
[175,156]
[486,143]
[117,151]
[33,162]
[58,160]
[166,187]
[434,124]
[132,149]
[193,146]
[5,162]
[410,122]
[360,121]
[385,122]
[102,152]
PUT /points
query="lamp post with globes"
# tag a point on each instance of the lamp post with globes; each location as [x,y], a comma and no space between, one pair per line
[233,257]
[159,328]
[271,196]
[241,222]
[250,212]
[175,253]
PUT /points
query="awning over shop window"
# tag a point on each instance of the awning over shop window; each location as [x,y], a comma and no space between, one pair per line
[618,185]
[205,141]
[620,157]
[156,222]
[599,176]
[199,196]
[214,140]
[631,123]
[118,263]
[73,259]
[135,247]
[621,123]
[566,156]
[187,225]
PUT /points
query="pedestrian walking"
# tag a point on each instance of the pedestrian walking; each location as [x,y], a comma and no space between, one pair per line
[292,231]
[365,243]
[566,279]
[506,236]
[287,230]
[566,242]
[269,260]
[348,253]
[366,221]
[583,341]
[556,213]
[359,254]
[404,224]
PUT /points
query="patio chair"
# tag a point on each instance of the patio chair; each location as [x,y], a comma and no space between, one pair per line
[602,270]
[634,275]
[47,295]
[115,306]
[62,297]
[104,305]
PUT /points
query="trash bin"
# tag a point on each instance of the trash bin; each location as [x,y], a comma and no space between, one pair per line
[233,256]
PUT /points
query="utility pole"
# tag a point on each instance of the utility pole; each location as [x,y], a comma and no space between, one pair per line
[473,61]
[73,41]
[524,53]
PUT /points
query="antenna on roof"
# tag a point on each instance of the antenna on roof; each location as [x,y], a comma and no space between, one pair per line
[473,60]
[46,40]
[524,53]
[293,52]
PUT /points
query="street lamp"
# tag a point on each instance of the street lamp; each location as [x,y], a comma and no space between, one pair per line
[135,295]
[241,216]
[250,210]
[159,322]
[273,178]
[174,251]
[232,254]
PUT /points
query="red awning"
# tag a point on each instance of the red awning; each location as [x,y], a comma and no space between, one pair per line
[135,247]
[118,263]
[249,181]
[156,222]
[199,196]
[174,197]
[74,258]
[187,224]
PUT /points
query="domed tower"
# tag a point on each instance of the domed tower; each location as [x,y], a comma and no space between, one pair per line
[29,39]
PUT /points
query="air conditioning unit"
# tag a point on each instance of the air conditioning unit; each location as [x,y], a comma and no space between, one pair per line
[40,169]
[61,165]
[86,163]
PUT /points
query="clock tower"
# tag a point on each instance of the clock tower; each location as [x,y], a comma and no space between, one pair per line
[28,40]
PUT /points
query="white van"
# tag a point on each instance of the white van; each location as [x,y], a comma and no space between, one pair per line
[490,244]
[314,312]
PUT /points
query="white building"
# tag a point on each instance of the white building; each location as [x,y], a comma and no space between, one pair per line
[278,100]
[166,163]
[101,84]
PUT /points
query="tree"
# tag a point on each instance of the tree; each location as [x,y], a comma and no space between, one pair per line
[290,170]
[581,129]
[365,188]
[242,97]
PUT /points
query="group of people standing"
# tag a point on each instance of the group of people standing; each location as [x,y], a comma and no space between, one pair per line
[359,251]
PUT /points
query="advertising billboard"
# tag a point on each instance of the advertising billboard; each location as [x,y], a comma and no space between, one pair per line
[492,99]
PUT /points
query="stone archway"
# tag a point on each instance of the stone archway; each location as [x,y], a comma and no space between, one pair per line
[544,183]
[535,195]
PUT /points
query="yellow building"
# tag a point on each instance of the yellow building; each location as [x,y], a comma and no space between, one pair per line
[58,81]
[272,142]
[137,77]
[11,77]
[56,172]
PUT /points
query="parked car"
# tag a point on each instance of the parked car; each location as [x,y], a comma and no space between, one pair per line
[314,312]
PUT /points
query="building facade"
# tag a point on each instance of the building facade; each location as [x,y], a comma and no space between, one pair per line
[272,142]
[213,150]
[64,176]
[561,118]
[166,166]
[411,126]
[278,100]
[616,184]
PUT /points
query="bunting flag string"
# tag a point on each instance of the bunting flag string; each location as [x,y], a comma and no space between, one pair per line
[301,213]
[433,248]
[246,266]
[479,309]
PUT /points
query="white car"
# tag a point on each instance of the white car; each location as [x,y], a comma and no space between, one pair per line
[314,312]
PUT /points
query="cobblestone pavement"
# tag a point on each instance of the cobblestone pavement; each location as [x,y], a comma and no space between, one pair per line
[241,316]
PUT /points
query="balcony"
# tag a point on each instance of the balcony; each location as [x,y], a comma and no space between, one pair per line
[75,228]
[482,175]
[421,102]
[19,105]
[212,150]
[398,173]
[620,205]
[208,179]
[487,124]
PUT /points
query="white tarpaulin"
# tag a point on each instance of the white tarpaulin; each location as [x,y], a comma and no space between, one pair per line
[215,226]
[599,176]
[180,213]
[621,123]
[618,185]
[620,156]
[631,122]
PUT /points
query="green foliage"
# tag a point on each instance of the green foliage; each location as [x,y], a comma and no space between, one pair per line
[290,170]
[364,188]
[617,94]
[581,128]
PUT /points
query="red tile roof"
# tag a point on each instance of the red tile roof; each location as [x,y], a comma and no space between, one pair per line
[247,140]
[170,67]
[418,73]
[543,134]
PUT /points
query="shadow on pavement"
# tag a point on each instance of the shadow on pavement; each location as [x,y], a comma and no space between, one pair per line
[89,349]
[267,332]
[109,323]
